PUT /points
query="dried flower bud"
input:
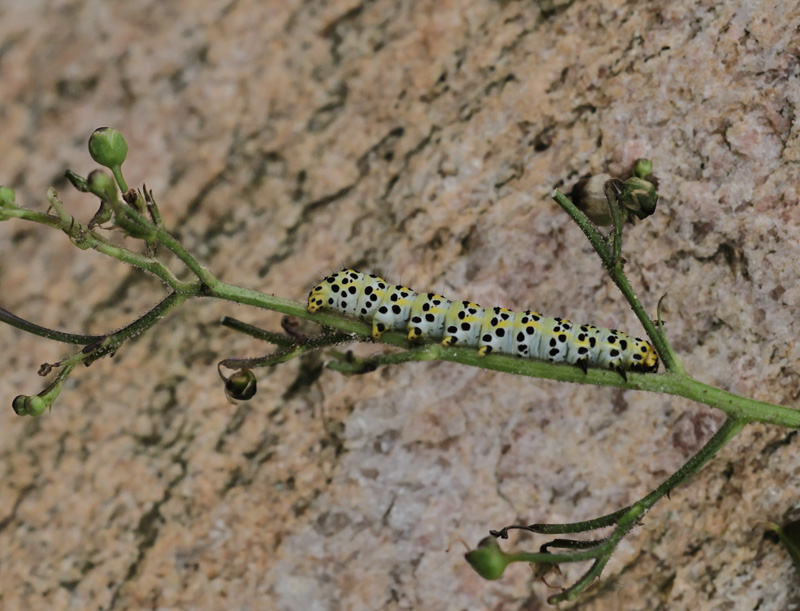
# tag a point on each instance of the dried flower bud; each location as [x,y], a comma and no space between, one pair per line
[639,196]
[589,196]
[241,386]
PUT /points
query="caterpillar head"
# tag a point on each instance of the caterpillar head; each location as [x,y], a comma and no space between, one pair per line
[318,298]
[645,357]
[323,295]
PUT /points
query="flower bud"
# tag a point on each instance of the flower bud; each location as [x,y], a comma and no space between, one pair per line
[589,197]
[103,215]
[107,147]
[642,168]
[7,197]
[102,185]
[488,559]
[639,196]
[29,406]
[241,386]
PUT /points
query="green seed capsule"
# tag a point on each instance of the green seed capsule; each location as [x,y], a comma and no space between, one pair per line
[488,559]
[108,147]
[24,405]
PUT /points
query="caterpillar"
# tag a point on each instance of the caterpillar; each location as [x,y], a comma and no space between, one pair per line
[525,334]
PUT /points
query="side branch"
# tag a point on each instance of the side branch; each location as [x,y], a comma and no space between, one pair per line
[59,336]
[613,265]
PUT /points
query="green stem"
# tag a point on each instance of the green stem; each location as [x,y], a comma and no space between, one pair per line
[85,238]
[159,234]
[117,172]
[631,516]
[595,238]
[668,383]
[287,353]
[729,429]
[278,339]
[597,551]
[59,336]
[350,365]
[202,273]
[153,316]
[113,341]
[572,592]
[671,363]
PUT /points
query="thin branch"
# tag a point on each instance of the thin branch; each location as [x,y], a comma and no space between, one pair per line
[619,278]
[624,519]
[288,352]
[59,336]
[278,339]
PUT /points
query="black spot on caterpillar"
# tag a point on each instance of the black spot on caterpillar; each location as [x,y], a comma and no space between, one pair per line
[526,334]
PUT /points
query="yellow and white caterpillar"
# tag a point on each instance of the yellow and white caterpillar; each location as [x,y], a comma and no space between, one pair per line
[525,334]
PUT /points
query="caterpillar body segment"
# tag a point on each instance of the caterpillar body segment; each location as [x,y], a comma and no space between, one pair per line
[372,292]
[394,310]
[463,324]
[556,340]
[497,332]
[526,334]
[428,314]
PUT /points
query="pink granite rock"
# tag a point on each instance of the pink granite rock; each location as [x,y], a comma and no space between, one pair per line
[420,139]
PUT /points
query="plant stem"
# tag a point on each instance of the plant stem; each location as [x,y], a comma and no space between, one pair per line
[674,381]
[287,352]
[595,238]
[159,234]
[729,429]
[278,339]
[625,519]
[85,238]
[614,268]
[669,383]
[59,336]
[356,365]
[113,341]
[117,172]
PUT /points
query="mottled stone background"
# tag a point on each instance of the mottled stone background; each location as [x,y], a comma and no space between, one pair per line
[421,139]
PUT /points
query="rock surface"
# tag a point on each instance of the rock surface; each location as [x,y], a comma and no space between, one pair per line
[420,139]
